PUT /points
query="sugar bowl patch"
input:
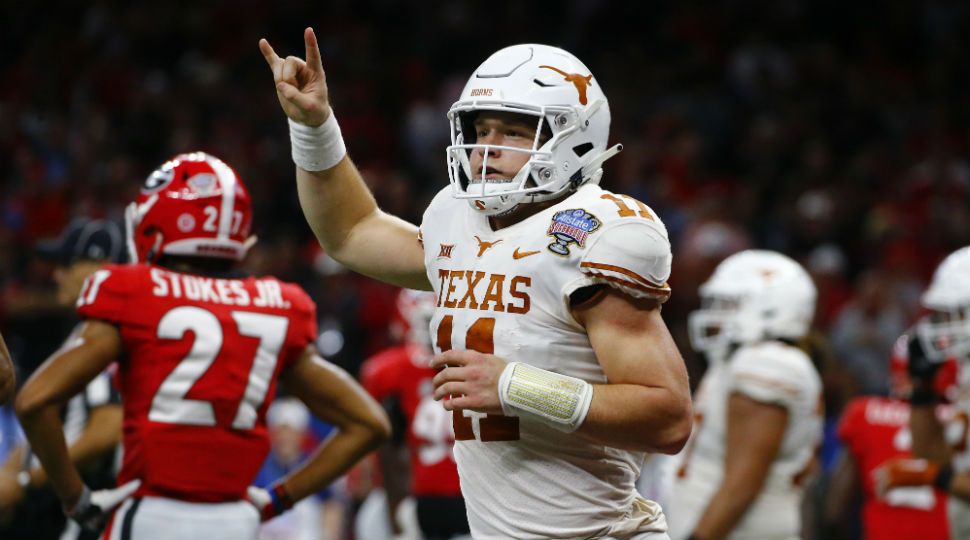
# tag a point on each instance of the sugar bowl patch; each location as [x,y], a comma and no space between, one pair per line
[571,227]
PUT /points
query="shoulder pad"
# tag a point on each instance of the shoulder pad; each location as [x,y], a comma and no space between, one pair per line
[632,256]
[304,310]
[441,199]
[774,373]
[299,299]
[105,293]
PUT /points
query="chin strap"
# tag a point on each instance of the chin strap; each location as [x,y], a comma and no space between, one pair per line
[153,254]
[247,244]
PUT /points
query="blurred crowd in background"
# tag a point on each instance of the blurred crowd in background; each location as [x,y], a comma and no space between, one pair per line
[835,132]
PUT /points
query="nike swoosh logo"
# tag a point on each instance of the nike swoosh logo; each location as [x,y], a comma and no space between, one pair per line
[521,254]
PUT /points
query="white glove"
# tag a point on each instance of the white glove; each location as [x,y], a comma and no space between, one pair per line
[269,502]
[259,498]
[94,507]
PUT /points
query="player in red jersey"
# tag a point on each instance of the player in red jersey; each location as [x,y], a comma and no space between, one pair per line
[200,353]
[875,430]
[400,377]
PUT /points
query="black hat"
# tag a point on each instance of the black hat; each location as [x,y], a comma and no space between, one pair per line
[84,239]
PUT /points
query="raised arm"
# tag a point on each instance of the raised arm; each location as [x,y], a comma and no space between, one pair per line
[929,440]
[337,204]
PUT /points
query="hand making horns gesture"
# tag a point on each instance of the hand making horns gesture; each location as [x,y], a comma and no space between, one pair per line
[301,86]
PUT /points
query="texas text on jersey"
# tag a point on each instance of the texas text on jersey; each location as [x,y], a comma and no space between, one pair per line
[203,356]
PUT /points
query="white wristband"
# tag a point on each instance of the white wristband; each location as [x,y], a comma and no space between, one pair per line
[317,148]
[557,400]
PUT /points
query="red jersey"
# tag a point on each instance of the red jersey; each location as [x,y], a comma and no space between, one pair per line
[875,429]
[403,373]
[202,356]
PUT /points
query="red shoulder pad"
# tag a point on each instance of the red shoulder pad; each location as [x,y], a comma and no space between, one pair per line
[304,309]
[106,294]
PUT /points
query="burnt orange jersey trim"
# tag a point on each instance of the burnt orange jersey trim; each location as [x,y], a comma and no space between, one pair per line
[625,272]
[656,292]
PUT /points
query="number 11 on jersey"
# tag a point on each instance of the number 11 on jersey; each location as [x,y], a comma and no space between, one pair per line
[491,427]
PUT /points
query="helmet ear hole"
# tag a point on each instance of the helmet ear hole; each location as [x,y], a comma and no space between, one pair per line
[582,149]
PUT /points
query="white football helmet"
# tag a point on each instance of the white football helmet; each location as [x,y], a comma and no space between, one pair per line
[752,296]
[945,333]
[560,92]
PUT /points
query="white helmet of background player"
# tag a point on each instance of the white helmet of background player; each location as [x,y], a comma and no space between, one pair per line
[752,296]
[945,333]
[568,104]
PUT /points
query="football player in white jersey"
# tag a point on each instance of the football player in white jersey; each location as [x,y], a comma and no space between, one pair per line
[554,357]
[943,334]
[758,408]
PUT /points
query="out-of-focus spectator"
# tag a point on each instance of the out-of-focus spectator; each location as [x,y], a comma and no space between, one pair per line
[863,334]
[827,265]
[318,517]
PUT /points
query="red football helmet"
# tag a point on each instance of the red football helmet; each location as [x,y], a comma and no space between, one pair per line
[193,205]
[413,318]
[900,385]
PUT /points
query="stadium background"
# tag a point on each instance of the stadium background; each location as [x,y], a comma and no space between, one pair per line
[836,132]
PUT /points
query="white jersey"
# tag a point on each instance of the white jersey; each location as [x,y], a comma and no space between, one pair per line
[768,372]
[958,431]
[507,292]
